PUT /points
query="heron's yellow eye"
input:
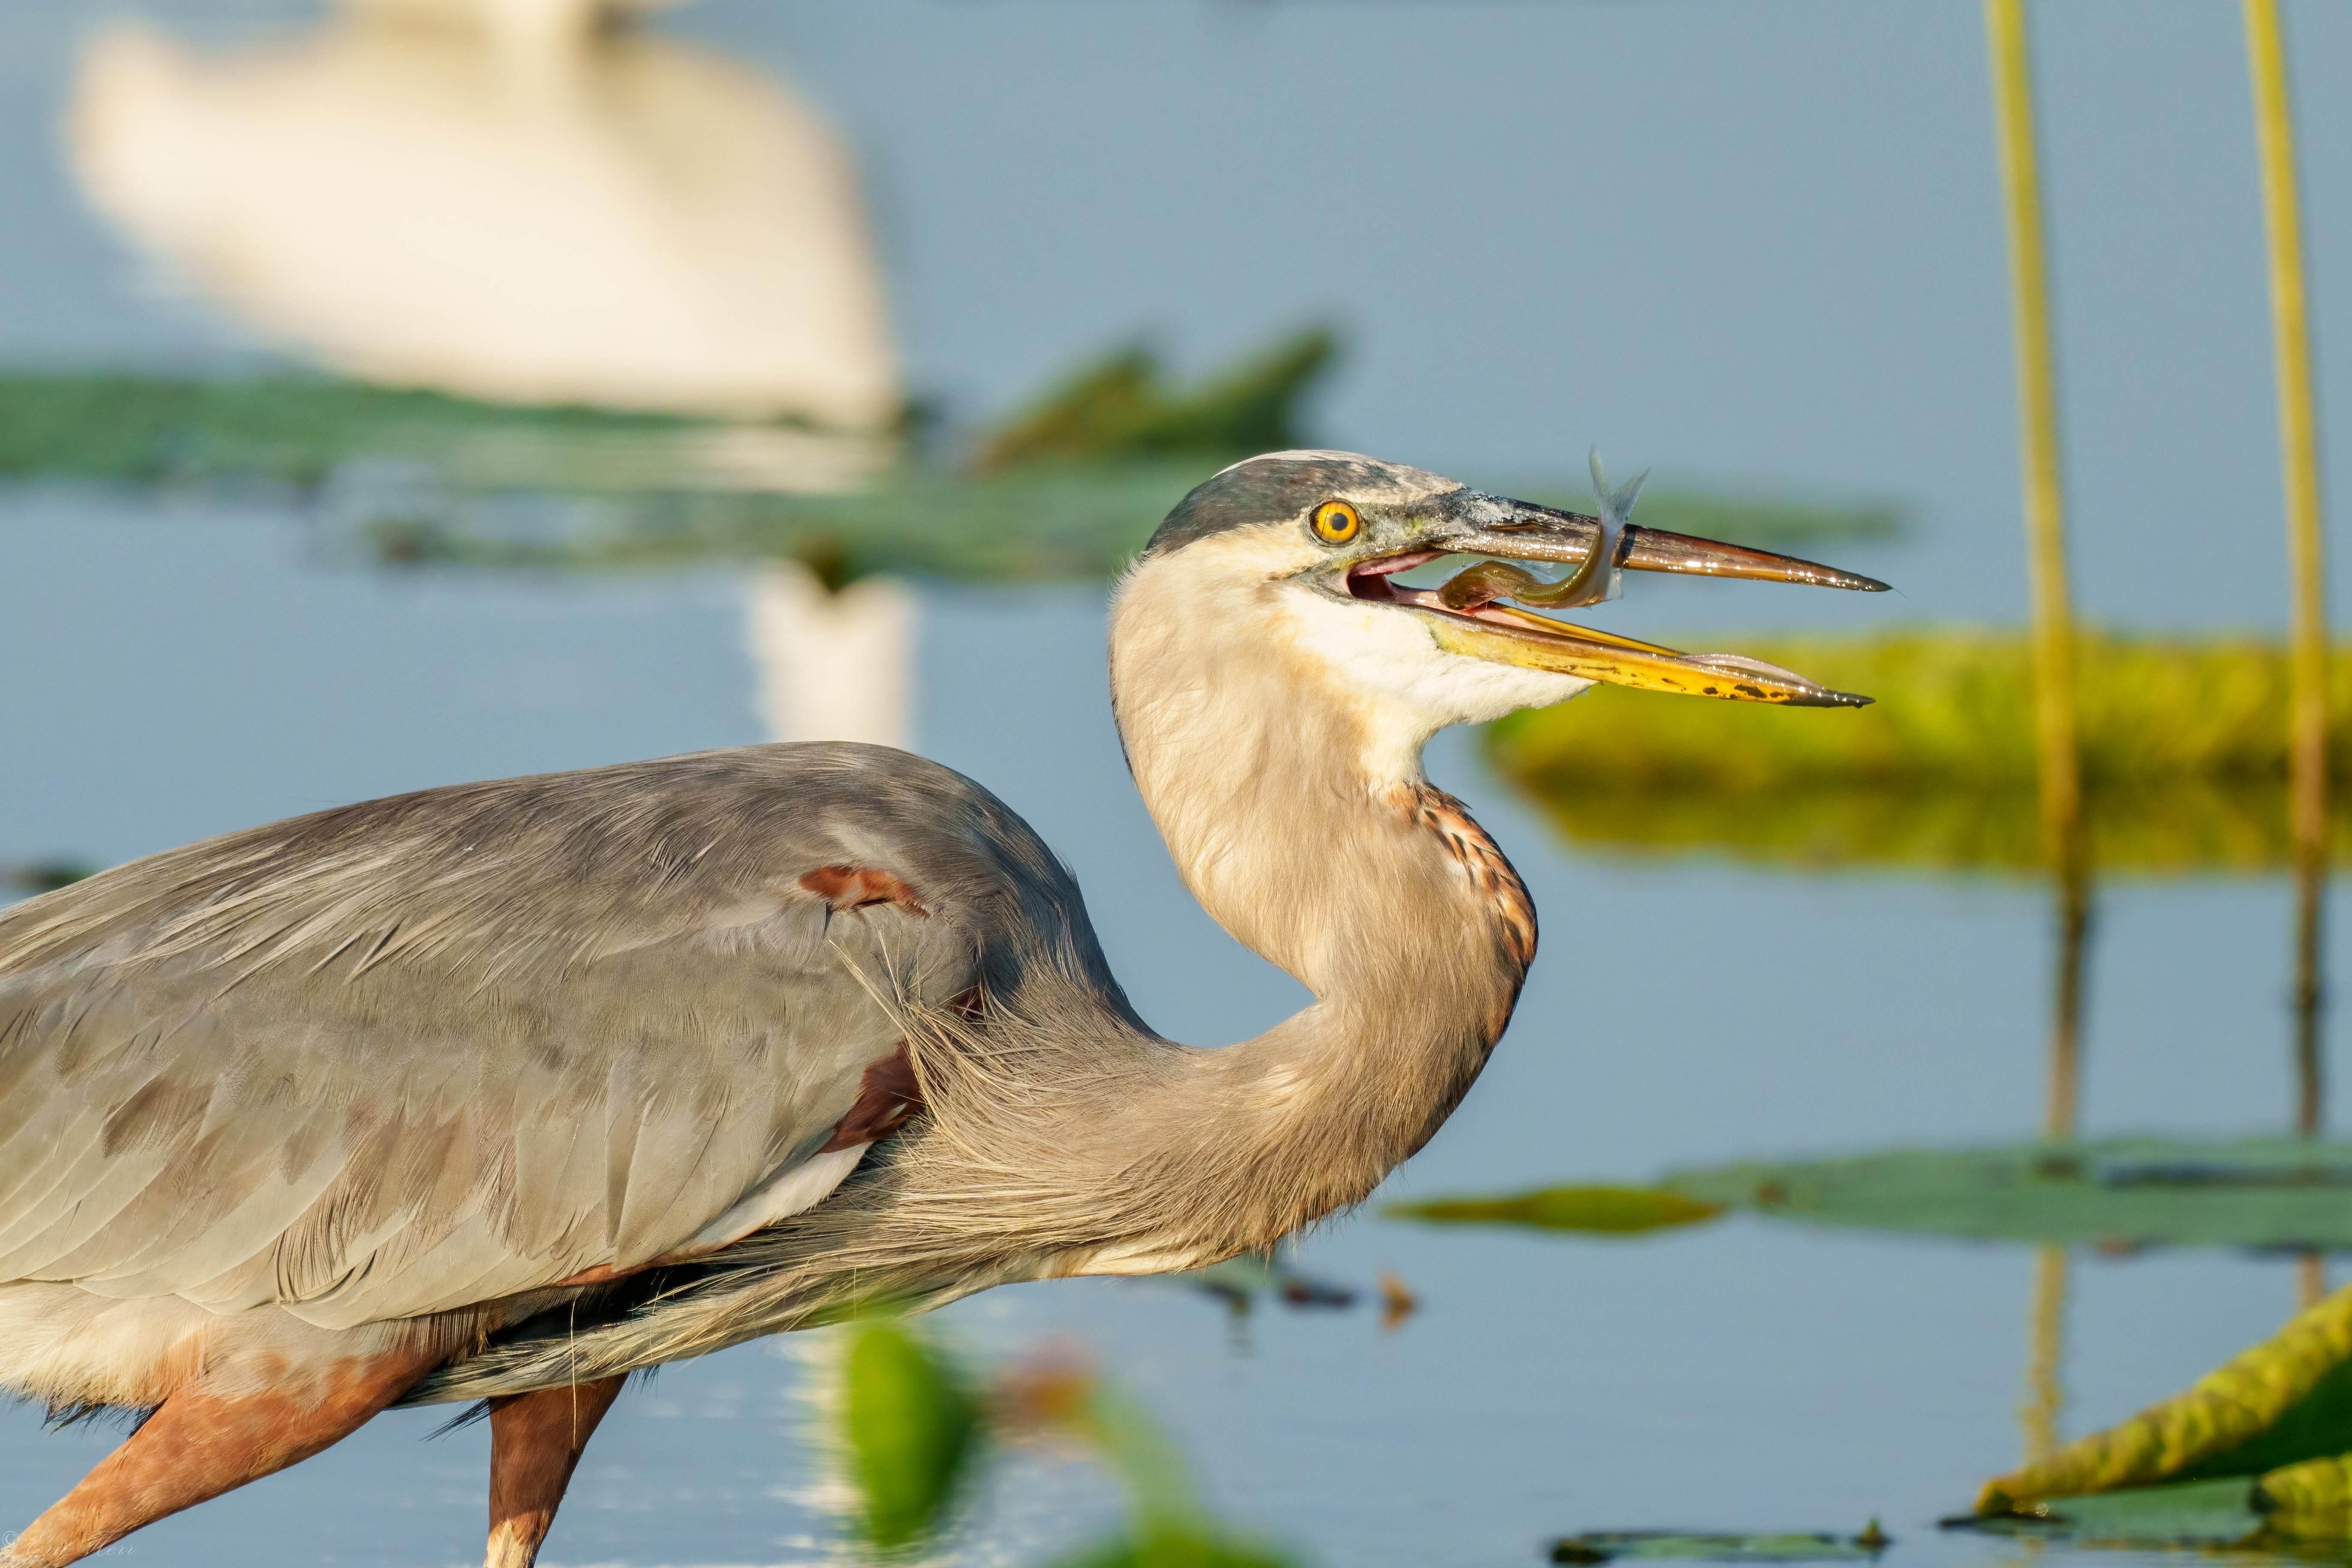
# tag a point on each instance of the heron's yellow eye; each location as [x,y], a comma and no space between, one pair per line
[1335,522]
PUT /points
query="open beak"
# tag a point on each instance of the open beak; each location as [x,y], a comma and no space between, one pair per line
[1482,612]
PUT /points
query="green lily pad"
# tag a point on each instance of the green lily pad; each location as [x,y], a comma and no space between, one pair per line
[2116,1193]
[1588,1210]
[2202,1513]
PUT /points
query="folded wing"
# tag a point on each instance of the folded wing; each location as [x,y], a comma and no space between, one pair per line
[428,1051]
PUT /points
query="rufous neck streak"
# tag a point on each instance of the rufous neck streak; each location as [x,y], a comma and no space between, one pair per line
[1295,810]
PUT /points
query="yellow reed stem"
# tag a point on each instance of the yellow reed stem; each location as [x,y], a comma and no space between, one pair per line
[2059,766]
[2306,561]
[2045,1393]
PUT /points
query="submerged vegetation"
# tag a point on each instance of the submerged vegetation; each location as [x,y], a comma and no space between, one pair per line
[2183,758]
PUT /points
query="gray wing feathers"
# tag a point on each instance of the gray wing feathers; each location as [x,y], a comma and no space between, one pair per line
[432,1050]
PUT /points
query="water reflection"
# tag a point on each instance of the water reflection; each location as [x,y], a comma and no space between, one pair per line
[2178,762]
[2066,846]
[2276,1420]
[2184,766]
[835,661]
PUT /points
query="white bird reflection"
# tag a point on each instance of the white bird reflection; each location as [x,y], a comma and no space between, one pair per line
[528,208]
[832,666]
[526,22]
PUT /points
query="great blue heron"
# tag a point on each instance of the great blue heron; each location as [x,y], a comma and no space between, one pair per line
[501,1090]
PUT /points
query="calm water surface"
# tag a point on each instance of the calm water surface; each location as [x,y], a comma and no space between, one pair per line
[184,667]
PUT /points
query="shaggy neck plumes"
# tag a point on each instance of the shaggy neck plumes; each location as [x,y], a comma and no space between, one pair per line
[1294,806]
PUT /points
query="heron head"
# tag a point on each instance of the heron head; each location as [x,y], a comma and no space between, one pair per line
[1320,547]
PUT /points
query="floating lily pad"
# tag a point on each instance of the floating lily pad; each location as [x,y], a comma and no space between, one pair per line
[2116,1193]
[1590,1210]
[288,428]
[2202,1513]
[2213,1517]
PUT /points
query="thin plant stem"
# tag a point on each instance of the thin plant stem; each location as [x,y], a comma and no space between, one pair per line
[2058,755]
[2307,547]
[2062,1106]
[2045,1392]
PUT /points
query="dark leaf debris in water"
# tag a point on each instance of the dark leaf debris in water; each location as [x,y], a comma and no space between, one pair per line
[1719,1546]
[1240,1281]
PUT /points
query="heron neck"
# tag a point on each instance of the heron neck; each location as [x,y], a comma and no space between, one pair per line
[1300,818]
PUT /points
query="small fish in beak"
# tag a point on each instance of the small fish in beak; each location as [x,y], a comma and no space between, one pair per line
[1474,620]
[1598,579]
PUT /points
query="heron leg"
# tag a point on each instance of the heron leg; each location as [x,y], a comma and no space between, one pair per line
[212,1435]
[536,1441]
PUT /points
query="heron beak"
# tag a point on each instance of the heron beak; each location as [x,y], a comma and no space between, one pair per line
[1472,618]
[1501,634]
[1531,532]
